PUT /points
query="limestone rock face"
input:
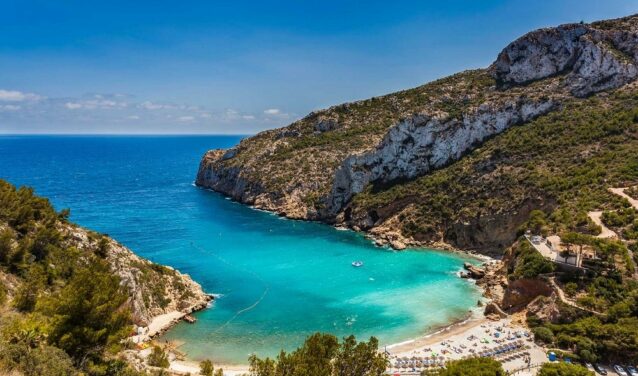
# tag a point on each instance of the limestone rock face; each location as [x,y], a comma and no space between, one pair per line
[314,167]
[422,143]
[592,59]
[153,289]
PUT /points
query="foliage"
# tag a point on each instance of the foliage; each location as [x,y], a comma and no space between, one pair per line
[206,368]
[88,314]
[158,358]
[563,369]
[543,334]
[323,355]
[473,367]
[530,263]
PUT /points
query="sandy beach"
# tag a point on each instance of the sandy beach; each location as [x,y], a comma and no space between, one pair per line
[473,337]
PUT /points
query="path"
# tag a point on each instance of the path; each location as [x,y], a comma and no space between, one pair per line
[621,192]
[566,300]
[605,232]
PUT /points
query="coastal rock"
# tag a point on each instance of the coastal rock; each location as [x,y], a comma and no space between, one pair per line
[521,292]
[474,271]
[153,289]
[591,58]
[423,143]
[316,167]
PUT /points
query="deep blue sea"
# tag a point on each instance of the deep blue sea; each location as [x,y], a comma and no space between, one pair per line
[279,280]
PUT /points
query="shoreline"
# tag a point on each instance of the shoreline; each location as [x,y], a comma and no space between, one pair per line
[472,319]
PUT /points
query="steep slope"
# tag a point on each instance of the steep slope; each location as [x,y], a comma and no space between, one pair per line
[346,164]
[39,245]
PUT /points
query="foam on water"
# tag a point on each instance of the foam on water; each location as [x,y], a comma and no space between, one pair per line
[277,280]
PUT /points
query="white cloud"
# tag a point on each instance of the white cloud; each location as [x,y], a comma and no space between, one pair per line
[272,111]
[17,96]
[205,115]
[185,119]
[72,105]
[9,107]
[248,117]
[94,104]
[133,117]
[148,105]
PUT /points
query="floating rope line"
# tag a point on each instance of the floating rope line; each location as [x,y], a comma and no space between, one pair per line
[250,307]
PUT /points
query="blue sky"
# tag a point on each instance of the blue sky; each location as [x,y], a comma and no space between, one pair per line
[237,67]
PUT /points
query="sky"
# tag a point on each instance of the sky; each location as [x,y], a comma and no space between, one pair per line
[238,67]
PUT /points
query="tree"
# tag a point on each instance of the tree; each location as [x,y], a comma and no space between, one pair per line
[206,368]
[88,313]
[158,358]
[219,372]
[543,334]
[322,355]
[360,359]
[473,367]
[563,369]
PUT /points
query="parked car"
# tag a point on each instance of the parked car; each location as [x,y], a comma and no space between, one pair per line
[632,370]
[600,369]
[619,370]
[588,366]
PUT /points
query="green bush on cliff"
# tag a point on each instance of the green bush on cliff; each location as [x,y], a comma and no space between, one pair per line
[472,367]
[69,307]
[530,263]
[323,355]
[563,369]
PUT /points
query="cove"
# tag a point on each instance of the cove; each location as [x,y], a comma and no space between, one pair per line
[279,280]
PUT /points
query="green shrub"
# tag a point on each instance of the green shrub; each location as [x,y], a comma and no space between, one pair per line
[563,369]
[158,358]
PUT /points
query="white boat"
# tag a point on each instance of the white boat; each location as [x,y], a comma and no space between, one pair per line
[357,264]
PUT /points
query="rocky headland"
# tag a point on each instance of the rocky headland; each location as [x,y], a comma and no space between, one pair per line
[382,165]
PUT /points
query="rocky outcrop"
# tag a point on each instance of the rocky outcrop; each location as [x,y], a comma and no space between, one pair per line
[474,271]
[314,168]
[422,143]
[521,292]
[153,289]
[591,59]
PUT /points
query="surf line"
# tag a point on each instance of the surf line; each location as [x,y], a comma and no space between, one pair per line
[250,307]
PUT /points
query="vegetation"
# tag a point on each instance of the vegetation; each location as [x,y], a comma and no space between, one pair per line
[563,369]
[471,367]
[323,355]
[530,263]
[562,164]
[158,358]
[206,368]
[69,311]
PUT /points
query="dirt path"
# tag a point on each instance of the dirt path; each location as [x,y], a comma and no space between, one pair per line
[621,192]
[566,300]
[605,233]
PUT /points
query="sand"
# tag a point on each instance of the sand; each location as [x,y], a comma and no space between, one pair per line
[467,339]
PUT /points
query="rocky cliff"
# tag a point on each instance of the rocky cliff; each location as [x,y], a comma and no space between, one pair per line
[371,164]
[153,289]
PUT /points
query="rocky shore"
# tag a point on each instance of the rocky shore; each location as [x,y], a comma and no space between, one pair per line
[317,167]
[159,296]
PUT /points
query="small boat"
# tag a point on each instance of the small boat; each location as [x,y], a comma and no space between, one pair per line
[190,319]
[357,264]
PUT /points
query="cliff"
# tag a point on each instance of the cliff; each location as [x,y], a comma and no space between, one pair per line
[153,289]
[436,164]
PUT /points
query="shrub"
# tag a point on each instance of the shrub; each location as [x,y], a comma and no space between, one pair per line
[543,334]
[473,367]
[158,358]
[563,369]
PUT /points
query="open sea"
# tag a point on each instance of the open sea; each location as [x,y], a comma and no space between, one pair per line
[279,280]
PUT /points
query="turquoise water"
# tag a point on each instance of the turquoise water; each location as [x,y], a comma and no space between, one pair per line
[279,280]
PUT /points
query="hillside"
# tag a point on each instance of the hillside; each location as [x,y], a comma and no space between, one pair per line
[69,296]
[447,163]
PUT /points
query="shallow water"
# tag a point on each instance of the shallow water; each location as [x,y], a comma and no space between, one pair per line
[279,280]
